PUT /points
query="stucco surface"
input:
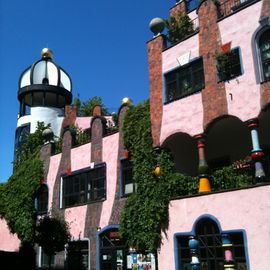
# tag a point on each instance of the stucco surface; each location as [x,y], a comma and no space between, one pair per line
[75,217]
[184,115]
[110,156]
[248,210]
[243,94]
[83,122]
[8,241]
[80,157]
[169,57]
[54,164]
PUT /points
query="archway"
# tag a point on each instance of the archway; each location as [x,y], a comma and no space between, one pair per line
[184,151]
[228,140]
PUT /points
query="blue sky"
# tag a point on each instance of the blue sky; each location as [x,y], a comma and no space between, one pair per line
[101,44]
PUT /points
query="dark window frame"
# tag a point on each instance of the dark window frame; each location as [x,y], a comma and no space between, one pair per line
[126,177]
[42,200]
[84,186]
[211,236]
[185,80]
[229,65]
[264,63]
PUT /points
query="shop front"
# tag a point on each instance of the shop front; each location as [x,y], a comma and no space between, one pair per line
[115,254]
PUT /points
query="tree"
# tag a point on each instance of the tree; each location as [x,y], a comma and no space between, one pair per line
[179,27]
[52,233]
[86,108]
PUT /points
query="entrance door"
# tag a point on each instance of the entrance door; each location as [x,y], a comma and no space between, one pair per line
[113,251]
[112,259]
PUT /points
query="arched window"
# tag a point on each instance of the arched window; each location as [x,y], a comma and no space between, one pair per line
[210,250]
[42,200]
[264,54]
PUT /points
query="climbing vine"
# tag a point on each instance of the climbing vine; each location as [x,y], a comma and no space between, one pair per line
[145,214]
[17,194]
[146,211]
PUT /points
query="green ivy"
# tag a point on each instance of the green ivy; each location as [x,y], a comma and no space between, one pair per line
[145,214]
[179,27]
[17,194]
[146,211]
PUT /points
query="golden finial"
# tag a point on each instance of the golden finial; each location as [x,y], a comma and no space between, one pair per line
[127,101]
[46,53]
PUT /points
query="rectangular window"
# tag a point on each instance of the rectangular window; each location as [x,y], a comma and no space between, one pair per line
[185,80]
[128,186]
[228,65]
[84,187]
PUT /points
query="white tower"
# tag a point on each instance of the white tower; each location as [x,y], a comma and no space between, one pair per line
[44,91]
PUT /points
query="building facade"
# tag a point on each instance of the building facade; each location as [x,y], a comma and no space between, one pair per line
[209,104]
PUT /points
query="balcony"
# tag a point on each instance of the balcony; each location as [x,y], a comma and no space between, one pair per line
[231,6]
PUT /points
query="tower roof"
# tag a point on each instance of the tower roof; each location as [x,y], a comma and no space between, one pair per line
[44,76]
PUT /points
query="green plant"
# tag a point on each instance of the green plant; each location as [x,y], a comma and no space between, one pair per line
[81,137]
[179,27]
[145,214]
[17,194]
[86,108]
[52,233]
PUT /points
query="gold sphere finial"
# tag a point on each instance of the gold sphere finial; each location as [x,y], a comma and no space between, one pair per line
[46,53]
[127,101]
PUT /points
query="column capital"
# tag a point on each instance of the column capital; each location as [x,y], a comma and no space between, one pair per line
[200,138]
[252,123]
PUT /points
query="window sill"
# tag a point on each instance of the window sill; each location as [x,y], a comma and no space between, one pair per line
[83,204]
[183,96]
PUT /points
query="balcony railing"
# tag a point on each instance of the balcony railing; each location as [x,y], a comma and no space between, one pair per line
[230,6]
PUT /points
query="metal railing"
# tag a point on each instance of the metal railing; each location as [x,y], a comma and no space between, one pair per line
[230,6]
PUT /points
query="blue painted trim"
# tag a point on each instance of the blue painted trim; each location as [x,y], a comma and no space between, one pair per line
[109,227]
[255,51]
[193,232]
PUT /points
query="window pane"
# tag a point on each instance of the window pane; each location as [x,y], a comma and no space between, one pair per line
[185,80]
[84,187]
[264,47]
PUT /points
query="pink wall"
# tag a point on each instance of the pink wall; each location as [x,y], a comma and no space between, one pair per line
[169,57]
[247,209]
[80,158]
[53,169]
[75,217]
[110,156]
[83,122]
[8,241]
[245,102]
[184,115]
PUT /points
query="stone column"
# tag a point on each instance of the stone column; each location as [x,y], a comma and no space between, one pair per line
[256,153]
[193,247]
[155,47]
[204,183]
[179,7]
[228,256]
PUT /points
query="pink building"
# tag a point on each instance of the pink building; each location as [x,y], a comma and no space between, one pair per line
[209,103]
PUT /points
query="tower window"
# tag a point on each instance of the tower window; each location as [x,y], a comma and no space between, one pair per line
[45,81]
